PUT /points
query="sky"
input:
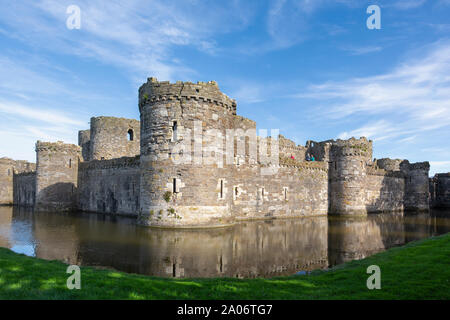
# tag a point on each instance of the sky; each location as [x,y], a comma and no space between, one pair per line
[310,68]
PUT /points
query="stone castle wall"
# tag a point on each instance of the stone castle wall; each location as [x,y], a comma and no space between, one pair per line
[24,188]
[8,167]
[170,169]
[56,176]
[440,190]
[110,186]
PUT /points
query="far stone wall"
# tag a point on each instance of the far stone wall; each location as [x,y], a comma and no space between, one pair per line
[24,189]
[110,186]
[7,169]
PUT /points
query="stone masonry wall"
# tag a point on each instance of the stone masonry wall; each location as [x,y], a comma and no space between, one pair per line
[109,186]
[440,190]
[417,193]
[84,141]
[56,176]
[176,188]
[112,138]
[299,189]
[385,191]
[24,189]
[7,169]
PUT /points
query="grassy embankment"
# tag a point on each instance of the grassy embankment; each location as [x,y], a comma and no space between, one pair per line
[419,270]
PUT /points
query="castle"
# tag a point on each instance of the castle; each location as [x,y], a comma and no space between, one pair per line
[130,167]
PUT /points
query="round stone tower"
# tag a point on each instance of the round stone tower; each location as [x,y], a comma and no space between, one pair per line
[112,138]
[348,161]
[56,175]
[183,181]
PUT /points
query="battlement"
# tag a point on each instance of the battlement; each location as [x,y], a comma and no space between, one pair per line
[56,147]
[123,162]
[442,175]
[351,147]
[389,164]
[314,165]
[111,121]
[374,170]
[154,91]
[417,166]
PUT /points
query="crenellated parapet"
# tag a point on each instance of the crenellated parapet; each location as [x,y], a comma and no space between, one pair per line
[352,147]
[57,147]
[124,162]
[155,91]
[389,164]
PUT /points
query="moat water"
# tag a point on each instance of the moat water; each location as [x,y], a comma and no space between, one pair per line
[249,249]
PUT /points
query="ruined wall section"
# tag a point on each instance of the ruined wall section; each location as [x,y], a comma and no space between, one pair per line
[417,193]
[320,150]
[178,188]
[84,141]
[110,186]
[112,138]
[7,169]
[56,176]
[288,148]
[24,189]
[440,190]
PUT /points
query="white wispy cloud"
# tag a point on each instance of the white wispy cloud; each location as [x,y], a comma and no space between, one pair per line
[407,4]
[356,51]
[39,114]
[414,97]
[135,35]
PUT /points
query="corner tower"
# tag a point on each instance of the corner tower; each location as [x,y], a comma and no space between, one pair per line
[181,185]
[417,193]
[56,176]
[348,160]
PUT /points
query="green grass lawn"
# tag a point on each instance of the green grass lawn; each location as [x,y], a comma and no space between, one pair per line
[419,270]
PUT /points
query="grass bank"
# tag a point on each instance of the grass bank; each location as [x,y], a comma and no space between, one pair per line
[419,270]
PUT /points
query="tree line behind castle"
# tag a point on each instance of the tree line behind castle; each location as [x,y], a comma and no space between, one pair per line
[130,167]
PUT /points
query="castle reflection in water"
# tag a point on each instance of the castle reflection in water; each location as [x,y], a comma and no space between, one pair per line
[249,249]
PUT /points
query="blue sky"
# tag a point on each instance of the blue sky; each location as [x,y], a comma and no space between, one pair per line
[310,68]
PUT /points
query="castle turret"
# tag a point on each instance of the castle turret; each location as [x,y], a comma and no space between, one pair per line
[181,181]
[417,192]
[348,159]
[56,175]
[112,138]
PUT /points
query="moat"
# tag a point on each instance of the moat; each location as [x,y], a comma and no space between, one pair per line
[249,249]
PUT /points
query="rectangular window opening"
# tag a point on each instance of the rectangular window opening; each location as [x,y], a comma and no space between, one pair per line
[174,131]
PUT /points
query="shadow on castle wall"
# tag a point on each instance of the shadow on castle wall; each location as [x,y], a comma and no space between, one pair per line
[59,196]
